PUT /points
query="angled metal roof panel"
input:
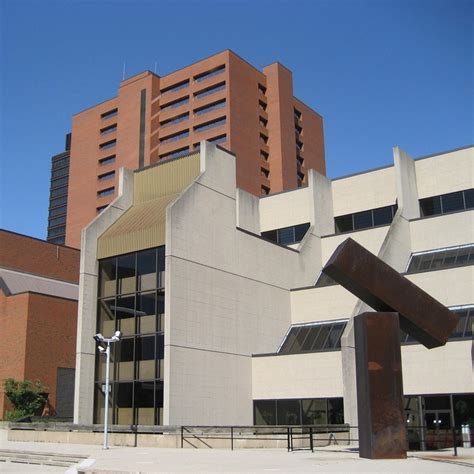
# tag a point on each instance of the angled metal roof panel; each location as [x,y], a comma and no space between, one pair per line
[143,225]
[13,282]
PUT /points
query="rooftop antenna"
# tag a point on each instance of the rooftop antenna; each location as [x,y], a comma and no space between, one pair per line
[123,71]
[156,66]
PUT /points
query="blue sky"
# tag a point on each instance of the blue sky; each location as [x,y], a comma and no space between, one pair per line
[381,72]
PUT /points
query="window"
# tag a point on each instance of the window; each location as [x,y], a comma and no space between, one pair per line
[262,121]
[175,154]
[60,163]
[262,105]
[300,175]
[175,137]
[265,190]
[309,411]
[57,221]
[60,172]
[131,299]
[262,88]
[300,159]
[298,130]
[287,235]
[297,114]
[101,208]
[107,145]
[175,120]
[365,219]
[463,329]
[264,172]
[58,202]
[212,124]
[218,140]
[106,192]
[444,203]
[57,240]
[57,211]
[314,337]
[299,146]
[109,129]
[59,182]
[106,176]
[220,104]
[175,87]
[210,90]
[441,258]
[208,74]
[264,155]
[108,160]
[263,138]
[175,103]
[56,231]
[58,192]
[109,114]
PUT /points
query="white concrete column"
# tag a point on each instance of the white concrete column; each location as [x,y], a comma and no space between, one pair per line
[320,195]
[407,192]
[87,307]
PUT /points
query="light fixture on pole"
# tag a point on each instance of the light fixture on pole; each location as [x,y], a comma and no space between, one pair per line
[101,340]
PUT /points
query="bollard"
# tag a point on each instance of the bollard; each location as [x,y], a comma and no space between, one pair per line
[466,436]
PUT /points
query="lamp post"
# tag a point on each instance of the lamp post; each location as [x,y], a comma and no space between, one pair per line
[101,340]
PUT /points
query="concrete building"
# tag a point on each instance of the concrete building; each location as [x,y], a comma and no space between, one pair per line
[226,318]
[38,316]
[222,99]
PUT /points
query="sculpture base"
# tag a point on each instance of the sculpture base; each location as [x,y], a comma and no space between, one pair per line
[382,429]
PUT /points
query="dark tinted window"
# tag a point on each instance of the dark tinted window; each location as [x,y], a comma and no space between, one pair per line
[313,338]
[365,219]
[287,235]
[452,202]
[288,412]
[445,203]
[444,258]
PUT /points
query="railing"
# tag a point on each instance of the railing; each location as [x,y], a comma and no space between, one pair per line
[293,437]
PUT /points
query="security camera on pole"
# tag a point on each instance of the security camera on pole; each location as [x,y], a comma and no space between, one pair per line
[101,341]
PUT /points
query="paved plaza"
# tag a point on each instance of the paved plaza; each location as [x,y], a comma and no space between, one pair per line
[144,460]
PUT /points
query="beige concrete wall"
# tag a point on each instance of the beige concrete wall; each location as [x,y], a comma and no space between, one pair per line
[371,239]
[442,231]
[364,191]
[451,287]
[315,375]
[446,173]
[446,369]
[285,209]
[321,304]
[227,296]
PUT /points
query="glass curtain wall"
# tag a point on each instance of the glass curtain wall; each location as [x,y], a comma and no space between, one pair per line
[131,300]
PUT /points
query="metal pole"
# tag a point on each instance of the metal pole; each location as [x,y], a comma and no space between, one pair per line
[106,410]
[454,442]
[232,438]
[311,439]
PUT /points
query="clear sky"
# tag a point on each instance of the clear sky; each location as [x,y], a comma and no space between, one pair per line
[382,73]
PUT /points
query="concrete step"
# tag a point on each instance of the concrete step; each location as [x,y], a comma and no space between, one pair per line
[42,458]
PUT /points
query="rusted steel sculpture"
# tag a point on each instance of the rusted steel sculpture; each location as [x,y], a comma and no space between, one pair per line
[382,431]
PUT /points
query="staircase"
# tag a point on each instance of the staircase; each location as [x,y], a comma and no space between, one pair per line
[42,458]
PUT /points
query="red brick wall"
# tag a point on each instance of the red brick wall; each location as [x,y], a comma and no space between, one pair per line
[26,254]
[50,339]
[13,328]
[37,335]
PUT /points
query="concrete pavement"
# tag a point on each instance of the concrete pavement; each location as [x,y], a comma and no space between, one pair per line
[145,460]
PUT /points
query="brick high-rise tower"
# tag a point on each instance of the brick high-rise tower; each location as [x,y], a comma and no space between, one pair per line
[223,99]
